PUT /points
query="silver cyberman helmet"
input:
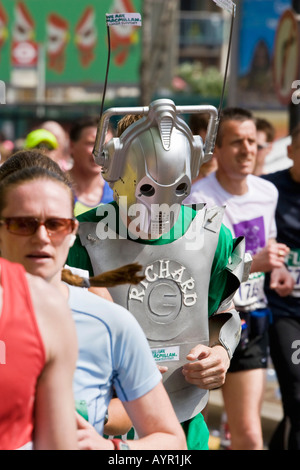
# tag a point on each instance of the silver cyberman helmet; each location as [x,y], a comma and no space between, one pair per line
[150,167]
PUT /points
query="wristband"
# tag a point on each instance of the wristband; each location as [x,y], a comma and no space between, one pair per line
[119,444]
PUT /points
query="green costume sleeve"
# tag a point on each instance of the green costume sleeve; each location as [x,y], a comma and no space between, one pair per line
[78,256]
[218,280]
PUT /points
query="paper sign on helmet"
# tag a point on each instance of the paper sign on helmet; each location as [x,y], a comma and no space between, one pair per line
[124,35]
[227,5]
[115,19]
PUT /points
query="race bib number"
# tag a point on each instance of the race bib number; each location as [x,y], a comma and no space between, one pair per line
[251,293]
[293,265]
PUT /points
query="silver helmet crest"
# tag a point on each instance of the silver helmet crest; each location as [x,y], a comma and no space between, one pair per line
[150,167]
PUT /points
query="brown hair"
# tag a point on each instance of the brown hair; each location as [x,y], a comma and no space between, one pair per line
[232,114]
[198,123]
[265,126]
[80,124]
[123,275]
[29,165]
[126,121]
[29,159]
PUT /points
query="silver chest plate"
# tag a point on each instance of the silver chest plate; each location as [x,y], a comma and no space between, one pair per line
[170,304]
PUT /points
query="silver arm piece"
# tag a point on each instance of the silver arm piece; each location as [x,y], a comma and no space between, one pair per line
[225,329]
[225,324]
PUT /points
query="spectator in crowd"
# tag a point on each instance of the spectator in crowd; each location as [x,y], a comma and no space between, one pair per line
[41,139]
[6,149]
[265,138]
[284,300]
[51,139]
[198,124]
[249,204]
[61,154]
[89,186]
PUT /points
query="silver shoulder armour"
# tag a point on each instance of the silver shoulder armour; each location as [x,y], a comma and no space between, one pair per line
[226,316]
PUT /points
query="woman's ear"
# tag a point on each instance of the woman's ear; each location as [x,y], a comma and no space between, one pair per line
[73,234]
[72,239]
[76,226]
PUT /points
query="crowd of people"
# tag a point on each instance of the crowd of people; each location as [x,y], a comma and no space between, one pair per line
[250,205]
[56,271]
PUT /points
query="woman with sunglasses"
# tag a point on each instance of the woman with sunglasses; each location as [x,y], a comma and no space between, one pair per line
[36,229]
[117,421]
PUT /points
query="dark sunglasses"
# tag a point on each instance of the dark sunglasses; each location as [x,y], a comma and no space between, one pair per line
[26,226]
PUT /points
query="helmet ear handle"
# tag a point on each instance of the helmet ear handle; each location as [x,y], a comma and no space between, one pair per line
[112,160]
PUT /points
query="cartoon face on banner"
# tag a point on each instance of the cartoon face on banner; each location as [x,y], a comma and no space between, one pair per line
[24,26]
[74,41]
[57,40]
[24,46]
[122,37]
[86,36]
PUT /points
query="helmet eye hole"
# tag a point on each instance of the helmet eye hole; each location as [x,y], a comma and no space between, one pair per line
[147,190]
[181,189]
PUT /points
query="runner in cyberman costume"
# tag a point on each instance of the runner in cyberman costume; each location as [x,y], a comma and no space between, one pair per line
[150,168]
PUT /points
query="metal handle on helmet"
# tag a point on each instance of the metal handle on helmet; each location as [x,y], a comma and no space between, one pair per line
[98,153]
[209,144]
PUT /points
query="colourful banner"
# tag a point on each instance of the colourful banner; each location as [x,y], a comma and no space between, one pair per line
[74,39]
[255,48]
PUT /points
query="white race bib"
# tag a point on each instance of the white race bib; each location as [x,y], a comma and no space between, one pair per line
[250,295]
[293,265]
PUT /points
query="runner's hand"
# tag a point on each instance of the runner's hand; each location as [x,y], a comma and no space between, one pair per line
[208,366]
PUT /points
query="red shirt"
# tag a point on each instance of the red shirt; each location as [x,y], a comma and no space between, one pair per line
[22,358]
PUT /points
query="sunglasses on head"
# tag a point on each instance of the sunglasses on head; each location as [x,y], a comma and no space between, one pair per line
[26,226]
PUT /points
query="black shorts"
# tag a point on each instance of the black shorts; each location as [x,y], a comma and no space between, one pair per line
[253,349]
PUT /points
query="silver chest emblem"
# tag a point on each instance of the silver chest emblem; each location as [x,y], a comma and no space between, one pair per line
[166,293]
